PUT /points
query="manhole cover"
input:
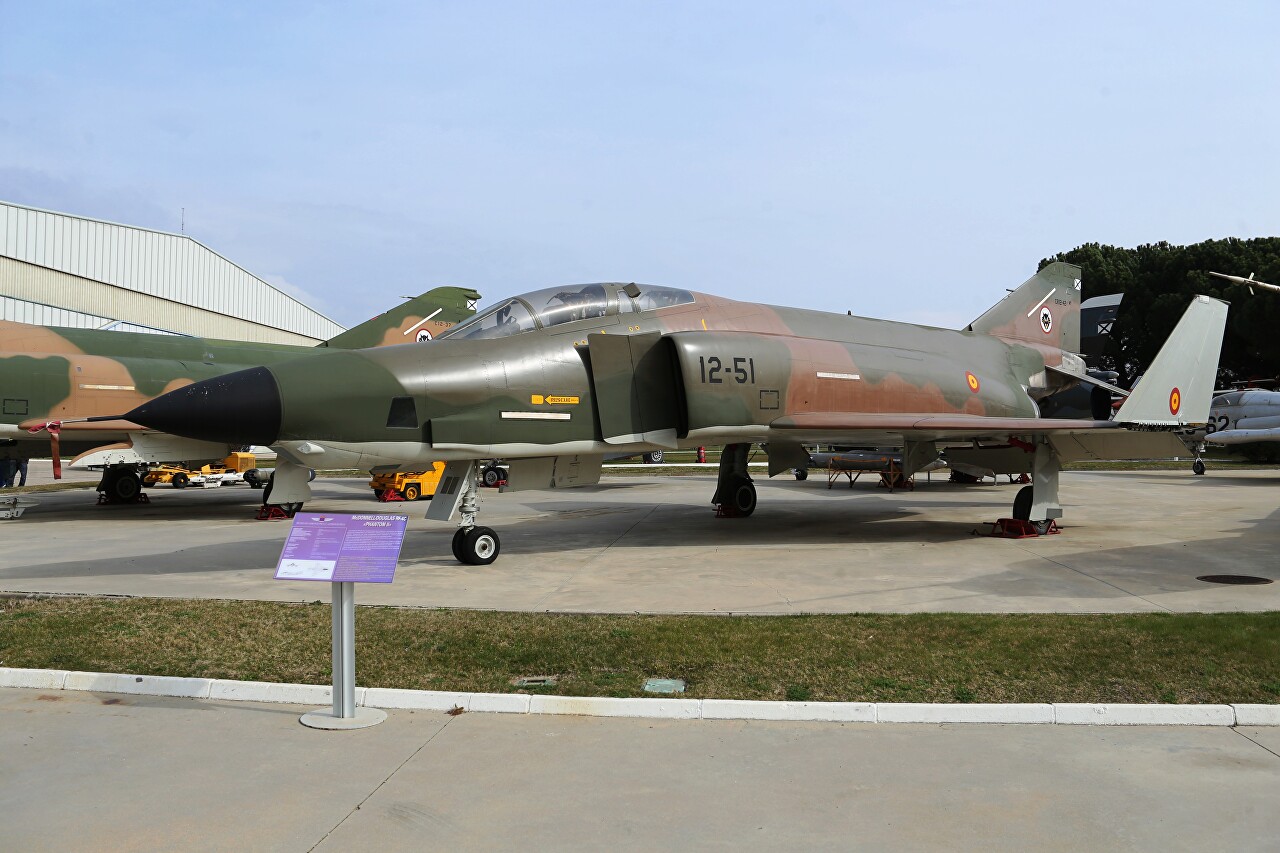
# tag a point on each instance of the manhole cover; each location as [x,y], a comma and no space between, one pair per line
[1233,579]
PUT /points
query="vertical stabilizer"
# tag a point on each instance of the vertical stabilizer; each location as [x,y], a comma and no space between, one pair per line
[1178,386]
[1044,310]
[419,319]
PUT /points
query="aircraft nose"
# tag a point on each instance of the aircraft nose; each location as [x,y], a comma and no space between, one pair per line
[238,408]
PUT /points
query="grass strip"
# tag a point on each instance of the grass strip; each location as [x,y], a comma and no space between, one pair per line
[1183,658]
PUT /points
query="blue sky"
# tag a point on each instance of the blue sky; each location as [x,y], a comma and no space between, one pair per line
[907,161]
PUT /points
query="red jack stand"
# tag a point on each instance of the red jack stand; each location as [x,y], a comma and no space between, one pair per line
[726,511]
[1016,528]
[272,512]
[390,496]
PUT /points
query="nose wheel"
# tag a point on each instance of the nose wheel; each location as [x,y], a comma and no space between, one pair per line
[476,546]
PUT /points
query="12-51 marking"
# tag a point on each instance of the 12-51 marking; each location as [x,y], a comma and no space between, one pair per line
[713,371]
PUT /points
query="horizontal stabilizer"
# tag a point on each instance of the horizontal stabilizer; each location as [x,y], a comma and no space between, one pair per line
[1178,386]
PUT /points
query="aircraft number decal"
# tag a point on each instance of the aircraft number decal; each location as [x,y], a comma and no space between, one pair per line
[714,372]
[1217,424]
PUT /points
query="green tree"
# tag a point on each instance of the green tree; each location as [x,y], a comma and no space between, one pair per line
[1158,280]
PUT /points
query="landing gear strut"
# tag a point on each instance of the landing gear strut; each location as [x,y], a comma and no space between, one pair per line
[1037,504]
[735,495]
[472,544]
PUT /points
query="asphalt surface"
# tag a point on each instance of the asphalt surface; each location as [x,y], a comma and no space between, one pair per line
[83,771]
[117,772]
[1134,541]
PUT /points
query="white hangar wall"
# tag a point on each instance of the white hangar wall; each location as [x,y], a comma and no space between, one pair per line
[59,269]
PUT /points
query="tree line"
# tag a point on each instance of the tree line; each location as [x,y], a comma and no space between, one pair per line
[1158,281]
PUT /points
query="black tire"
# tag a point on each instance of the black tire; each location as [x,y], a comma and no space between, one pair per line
[458,536]
[311,474]
[802,473]
[1197,468]
[378,493]
[293,509]
[742,495]
[480,546]
[1022,503]
[653,457]
[266,492]
[412,492]
[125,487]
[492,476]
[180,480]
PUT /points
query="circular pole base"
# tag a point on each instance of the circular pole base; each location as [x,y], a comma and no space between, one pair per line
[323,718]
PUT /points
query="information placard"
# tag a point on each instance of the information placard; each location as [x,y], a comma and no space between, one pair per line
[342,548]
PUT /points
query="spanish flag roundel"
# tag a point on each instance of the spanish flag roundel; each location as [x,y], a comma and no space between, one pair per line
[1175,401]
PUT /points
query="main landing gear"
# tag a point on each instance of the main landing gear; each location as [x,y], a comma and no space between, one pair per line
[1037,505]
[121,485]
[473,544]
[735,495]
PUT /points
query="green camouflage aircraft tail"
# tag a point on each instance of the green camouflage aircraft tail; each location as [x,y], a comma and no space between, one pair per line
[418,319]
[1044,310]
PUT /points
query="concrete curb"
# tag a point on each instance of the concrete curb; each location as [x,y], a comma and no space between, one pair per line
[658,708]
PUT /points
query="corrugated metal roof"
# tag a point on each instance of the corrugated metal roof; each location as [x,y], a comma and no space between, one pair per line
[168,266]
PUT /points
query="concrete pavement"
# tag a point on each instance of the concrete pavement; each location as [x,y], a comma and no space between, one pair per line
[115,772]
[1135,541]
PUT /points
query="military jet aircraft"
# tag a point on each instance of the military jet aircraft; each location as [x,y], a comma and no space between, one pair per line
[553,380]
[1239,417]
[52,379]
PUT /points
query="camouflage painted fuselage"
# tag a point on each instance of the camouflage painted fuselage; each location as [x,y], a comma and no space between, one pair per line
[708,370]
[52,374]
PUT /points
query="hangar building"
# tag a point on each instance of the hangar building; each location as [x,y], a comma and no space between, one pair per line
[62,270]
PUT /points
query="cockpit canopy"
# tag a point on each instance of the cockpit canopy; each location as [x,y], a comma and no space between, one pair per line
[554,306]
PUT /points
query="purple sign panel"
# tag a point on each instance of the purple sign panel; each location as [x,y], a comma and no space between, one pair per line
[342,548]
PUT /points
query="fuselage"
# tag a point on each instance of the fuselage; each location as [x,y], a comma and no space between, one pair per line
[1242,417]
[566,371]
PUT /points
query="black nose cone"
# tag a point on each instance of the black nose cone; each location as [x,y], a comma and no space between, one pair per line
[239,408]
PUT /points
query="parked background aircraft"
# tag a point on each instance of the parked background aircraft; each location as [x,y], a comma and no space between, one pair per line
[1240,417]
[553,380]
[62,376]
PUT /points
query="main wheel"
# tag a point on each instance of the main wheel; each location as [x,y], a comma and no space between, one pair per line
[742,495]
[480,546]
[458,536]
[266,492]
[412,492]
[654,457]
[802,473]
[125,487]
[179,480]
[1197,468]
[1022,503]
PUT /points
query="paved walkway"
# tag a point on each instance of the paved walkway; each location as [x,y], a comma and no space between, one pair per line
[114,772]
[1135,541]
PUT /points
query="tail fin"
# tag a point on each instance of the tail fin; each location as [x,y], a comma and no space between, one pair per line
[419,319]
[1178,386]
[1044,310]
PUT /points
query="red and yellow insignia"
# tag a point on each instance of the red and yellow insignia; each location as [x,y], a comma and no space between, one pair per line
[973,382]
[1175,401]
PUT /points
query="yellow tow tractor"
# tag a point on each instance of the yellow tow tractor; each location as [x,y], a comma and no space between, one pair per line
[406,485]
[236,468]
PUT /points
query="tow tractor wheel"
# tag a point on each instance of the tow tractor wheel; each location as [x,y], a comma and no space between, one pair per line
[412,492]
[491,476]
[479,546]
[1197,468]
[1022,503]
[742,495]
[179,480]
